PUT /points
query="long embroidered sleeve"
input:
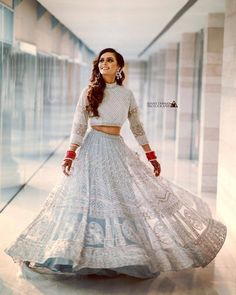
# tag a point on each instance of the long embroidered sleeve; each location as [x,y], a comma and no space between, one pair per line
[80,120]
[136,124]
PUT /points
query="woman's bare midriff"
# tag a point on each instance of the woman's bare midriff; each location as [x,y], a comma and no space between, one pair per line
[114,130]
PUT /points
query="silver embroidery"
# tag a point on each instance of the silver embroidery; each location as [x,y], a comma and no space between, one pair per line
[80,129]
[113,212]
[80,120]
[136,125]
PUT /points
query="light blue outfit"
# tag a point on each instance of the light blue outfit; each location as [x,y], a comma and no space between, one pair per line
[112,215]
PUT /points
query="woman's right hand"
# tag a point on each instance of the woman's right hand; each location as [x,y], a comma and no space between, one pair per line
[66,165]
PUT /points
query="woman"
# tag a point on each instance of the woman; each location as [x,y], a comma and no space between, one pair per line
[110,214]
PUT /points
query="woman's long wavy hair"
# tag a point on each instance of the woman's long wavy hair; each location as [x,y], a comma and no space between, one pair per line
[97,84]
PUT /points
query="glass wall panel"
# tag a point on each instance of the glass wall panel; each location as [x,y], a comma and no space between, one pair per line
[7,25]
[38,94]
[1,22]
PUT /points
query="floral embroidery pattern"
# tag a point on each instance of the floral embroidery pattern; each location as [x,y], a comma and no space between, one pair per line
[113,212]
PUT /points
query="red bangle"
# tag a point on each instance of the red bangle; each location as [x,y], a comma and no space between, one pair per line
[70,154]
[148,151]
[151,155]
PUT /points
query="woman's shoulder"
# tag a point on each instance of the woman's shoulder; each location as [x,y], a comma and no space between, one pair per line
[85,89]
[126,90]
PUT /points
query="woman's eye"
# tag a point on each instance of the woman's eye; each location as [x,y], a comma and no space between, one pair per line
[109,60]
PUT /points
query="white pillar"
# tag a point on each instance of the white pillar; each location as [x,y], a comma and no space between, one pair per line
[185,96]
[210,103]
[170,91]
[226,188]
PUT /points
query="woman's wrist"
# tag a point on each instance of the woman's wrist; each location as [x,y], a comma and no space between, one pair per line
[146,147]
[151,155]
[73,147]
[70,155]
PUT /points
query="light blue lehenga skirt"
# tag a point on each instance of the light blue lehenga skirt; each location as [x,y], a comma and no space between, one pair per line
[113,216]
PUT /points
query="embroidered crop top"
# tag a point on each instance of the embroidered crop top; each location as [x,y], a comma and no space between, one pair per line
[117,105]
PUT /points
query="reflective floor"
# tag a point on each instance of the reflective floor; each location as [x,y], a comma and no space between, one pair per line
[218,278]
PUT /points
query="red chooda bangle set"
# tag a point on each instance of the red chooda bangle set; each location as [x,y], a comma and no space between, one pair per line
[151,156]
[70,155]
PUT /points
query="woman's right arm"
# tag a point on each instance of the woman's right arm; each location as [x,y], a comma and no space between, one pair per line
[78,130]
[80,122]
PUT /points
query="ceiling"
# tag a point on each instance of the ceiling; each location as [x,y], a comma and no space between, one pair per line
[129,26]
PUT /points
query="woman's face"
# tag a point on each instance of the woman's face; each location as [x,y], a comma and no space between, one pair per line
[107,64]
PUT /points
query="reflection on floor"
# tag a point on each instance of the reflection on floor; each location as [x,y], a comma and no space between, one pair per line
[218,278]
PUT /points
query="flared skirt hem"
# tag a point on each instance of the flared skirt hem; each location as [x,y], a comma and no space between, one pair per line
[112,215]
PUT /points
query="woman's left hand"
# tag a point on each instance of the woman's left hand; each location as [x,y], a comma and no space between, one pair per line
[157,167]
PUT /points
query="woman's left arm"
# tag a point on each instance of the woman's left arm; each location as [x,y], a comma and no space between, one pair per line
[137,129]
[146,147]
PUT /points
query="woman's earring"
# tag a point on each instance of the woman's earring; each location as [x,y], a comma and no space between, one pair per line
[118,74]
[98,75]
